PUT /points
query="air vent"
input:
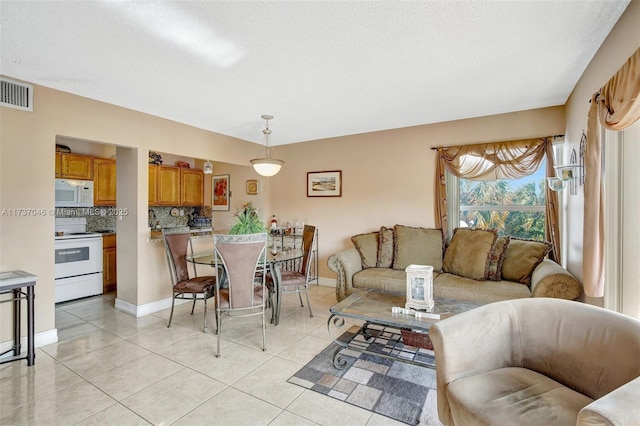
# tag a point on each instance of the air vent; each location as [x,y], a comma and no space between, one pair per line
[16,95]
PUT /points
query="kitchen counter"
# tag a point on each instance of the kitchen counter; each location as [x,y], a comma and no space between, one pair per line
[156,234]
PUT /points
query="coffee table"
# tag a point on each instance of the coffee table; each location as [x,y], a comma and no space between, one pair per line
[385,333]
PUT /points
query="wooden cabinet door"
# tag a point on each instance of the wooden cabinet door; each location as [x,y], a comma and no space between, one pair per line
[76,166]
[109,266]
[153,185]
[168,186]
[58,160]
[192,187]
[104,178]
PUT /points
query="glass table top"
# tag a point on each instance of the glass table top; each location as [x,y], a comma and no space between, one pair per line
[376,306]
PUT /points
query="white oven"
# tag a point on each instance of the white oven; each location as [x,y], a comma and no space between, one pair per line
[78,260]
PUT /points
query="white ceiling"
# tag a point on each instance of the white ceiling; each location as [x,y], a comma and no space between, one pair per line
[323,69]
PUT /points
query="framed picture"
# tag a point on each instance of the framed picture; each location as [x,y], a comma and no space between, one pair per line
[220,187]
[324,184]
[252,187]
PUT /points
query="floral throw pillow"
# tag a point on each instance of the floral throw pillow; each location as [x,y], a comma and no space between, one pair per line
[385,247]
[496,258]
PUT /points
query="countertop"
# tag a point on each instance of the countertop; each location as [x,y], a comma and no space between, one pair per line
[156,234]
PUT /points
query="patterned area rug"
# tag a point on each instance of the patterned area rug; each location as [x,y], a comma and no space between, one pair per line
[401,391]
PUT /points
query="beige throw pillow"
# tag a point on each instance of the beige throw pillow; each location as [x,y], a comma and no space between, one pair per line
[468,252]
[385,248]
[367,246]
[417,246]
[522,258]
[496,258]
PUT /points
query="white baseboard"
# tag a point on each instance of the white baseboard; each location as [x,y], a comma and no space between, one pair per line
[146,309]
[327,282]
[43,338]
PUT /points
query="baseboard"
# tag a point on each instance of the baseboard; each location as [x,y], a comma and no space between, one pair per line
[146,309]
[160,305]
[327,282]
[43,338]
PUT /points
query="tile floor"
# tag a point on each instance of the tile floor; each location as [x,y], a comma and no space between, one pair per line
[109,368]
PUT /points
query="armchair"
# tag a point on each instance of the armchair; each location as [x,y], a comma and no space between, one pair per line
[537,361]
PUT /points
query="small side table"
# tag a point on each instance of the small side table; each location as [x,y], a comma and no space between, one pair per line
[13,282]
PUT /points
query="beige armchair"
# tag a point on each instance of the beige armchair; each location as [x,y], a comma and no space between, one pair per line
[538,361]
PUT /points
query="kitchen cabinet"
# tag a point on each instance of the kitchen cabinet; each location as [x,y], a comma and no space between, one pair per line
[109,269]
[74,166]
[153,184]
[169,186]
[175,186]
[104,182]
[192,187]
[58,160]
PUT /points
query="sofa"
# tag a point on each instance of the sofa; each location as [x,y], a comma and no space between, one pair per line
[475,266]
[537,361]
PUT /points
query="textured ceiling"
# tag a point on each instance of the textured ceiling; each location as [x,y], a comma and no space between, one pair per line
[323,69]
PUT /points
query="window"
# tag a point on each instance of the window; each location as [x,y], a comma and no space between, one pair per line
[513,207]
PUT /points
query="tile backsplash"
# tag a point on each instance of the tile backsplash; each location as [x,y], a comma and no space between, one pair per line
[161,217]
[104,218]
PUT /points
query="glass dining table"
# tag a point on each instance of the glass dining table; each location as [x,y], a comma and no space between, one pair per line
[287,259]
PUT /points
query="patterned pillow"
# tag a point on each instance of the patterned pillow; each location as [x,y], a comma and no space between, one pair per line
[496,258]
[521,259]
[417,246]
[367,246]
[385,248]
[468,252]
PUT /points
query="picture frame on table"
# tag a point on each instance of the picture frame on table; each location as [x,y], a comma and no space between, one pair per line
[221,193]
[252,187]
[324,184]
[419,287]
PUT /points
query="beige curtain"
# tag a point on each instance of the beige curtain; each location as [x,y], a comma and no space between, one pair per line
[616,106]
[498,160]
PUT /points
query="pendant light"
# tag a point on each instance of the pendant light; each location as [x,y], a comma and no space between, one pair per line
[265,165]
[208,168]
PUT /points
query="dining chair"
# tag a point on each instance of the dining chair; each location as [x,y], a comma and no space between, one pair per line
[243,258]
[295,280]
[176,246]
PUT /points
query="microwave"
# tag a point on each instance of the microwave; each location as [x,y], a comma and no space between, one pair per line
[74,193]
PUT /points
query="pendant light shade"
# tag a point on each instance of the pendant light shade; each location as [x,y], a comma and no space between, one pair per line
[208,168]
[265,164]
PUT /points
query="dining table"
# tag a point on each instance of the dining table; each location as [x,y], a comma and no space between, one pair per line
[276,261]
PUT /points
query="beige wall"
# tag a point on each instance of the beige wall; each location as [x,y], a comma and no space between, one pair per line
[27,181]
[388,177]
[623,40]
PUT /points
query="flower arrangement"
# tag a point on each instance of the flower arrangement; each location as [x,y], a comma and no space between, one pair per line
[249,221]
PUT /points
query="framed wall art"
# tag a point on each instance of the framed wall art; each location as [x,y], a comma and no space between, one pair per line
[252,187]
[324,184]
[220,185]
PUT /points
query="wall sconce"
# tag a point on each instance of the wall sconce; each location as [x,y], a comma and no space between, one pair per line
[208,168]
[564,174]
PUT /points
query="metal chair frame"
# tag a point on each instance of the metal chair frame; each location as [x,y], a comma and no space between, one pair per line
[256,259]
[308,240]
[176,279]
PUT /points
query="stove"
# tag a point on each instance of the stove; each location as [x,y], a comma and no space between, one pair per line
[73,227]
[78,260]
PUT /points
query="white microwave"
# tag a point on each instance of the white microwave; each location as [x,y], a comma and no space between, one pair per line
[74,193]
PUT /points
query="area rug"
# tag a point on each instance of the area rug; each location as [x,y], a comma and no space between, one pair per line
[395,389]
